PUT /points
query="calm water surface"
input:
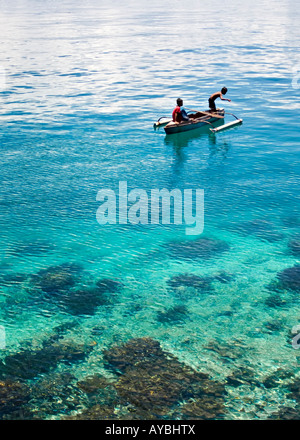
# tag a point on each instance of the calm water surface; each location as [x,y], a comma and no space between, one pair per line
[81,85]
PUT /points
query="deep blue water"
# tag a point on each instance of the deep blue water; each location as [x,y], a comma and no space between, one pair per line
[81,85]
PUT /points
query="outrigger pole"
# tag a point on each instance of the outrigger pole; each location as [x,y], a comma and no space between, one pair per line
[228,125]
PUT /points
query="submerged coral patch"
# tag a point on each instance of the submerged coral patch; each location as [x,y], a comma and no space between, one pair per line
[84,301]
[54,394]
[29,363]
[56,278]
[275,300]
[201,284]
[13,395]
[173,315]
[135,350]
[294,247]
[154,380]
[203,408]
[261,228]
[203,248]
[289,278]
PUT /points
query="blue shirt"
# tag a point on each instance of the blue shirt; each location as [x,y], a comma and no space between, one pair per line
[184,114]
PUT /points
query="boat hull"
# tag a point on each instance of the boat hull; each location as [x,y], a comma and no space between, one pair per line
[205,120]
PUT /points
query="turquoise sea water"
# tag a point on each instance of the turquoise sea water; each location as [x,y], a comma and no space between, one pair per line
[81,85]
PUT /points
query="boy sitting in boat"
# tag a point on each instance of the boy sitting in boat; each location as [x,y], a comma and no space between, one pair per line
[179,114]
[214,96]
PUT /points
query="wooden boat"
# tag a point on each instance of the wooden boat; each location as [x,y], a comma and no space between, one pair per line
[197,120]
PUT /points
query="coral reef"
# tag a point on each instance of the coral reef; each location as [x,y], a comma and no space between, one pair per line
[275,300]
[294,246]
[203,248]
[96,412]
[234,349]
[56,279]
[13,395]
[84,301]
[134,351]
[173,315]
[290,413]
[29,363]
[155,381]
[204,408]
[242,376]
[53,394]
[289,278]
[261,228]
[99,389]
[201,284]
[286,413]
[277,378]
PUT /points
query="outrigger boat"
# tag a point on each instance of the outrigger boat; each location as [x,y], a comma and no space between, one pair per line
[197,120]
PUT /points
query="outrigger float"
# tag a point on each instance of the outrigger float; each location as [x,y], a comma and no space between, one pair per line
[197,120]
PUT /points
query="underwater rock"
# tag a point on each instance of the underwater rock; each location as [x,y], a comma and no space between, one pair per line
[149,390]
[56,279]
[294,247]
[84,301]
[99,390]
[262,229]
[158,386]
[92,384]
[274,325]
[242,376]
[96,412]
[275,301]
[202,284]
[54,394]
[29,363]
[173,315]
[204,408]
[292,220]
[134,351]
[203,248]
[294,389]
[13,395]
[154,380]
[286,413]
[275,379]
[235,349]
[289,278]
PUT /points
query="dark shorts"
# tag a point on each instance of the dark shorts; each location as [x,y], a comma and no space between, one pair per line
[212,104]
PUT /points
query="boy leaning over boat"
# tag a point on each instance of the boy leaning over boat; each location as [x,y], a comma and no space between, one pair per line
[214,96]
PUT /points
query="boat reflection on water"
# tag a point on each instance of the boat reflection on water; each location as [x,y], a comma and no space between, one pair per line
[180,140]
[218,146]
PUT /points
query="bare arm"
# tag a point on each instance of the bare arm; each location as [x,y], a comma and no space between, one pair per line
[224,99]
